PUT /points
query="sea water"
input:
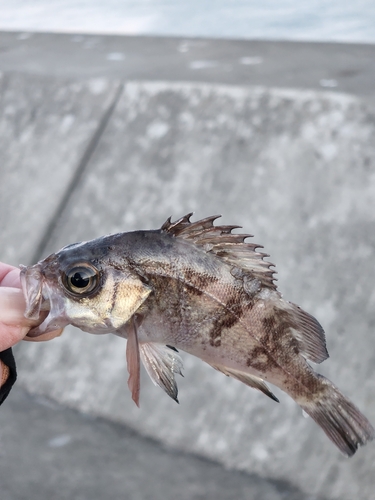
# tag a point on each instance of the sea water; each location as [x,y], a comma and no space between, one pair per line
[315,20]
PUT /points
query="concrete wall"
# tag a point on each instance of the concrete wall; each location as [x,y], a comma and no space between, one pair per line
[295,168]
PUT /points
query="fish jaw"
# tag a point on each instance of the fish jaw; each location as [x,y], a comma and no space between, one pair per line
[43,302]
[32,285]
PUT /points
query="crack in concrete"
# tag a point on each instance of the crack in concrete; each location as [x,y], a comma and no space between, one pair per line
[80,170]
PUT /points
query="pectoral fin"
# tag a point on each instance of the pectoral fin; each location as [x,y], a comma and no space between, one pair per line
[161,363]
[134,367]
[250,380]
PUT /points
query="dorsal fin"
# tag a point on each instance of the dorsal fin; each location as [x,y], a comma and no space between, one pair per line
[230,247]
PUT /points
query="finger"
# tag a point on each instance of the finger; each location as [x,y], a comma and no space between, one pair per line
[45,336]
[11,334]
[13,325]
[12,307]
[9,276]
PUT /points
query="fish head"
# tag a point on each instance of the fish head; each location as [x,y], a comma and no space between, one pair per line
[84,285]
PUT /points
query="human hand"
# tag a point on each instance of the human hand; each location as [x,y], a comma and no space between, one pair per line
[13,325]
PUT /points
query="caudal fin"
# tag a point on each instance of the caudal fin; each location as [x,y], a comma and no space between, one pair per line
[343,423]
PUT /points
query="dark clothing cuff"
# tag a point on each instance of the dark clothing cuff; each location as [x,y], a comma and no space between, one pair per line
[8,359]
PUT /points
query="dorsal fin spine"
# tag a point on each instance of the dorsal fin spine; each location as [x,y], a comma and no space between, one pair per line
[228,246]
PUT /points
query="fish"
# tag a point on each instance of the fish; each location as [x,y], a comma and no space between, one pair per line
[200,288]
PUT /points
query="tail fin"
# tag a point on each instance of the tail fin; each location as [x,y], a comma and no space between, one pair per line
[343,423]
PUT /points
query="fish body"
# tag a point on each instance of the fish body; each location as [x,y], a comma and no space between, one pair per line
[203,289]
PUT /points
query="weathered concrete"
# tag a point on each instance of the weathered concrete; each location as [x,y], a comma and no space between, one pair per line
[47,130]
[48,451]
[296,168]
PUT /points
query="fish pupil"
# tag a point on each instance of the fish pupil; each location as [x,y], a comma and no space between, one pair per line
[79,280]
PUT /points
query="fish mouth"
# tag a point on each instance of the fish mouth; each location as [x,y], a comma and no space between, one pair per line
[43,304]
[32,287]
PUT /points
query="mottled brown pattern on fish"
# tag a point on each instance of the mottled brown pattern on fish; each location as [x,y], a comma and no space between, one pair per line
[277,344]
[194,290]
[282,347]
[260,359]
[303,383]
[177,302]
[278,324]
[197,282]
[169,294]
[277,333]
[229,316]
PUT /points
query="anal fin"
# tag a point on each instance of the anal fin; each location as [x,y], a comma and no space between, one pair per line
[161,364]
[246,378]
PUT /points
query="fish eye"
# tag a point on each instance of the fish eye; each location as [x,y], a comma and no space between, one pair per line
[81,279]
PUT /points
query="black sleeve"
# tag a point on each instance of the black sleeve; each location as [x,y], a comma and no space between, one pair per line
[8,359]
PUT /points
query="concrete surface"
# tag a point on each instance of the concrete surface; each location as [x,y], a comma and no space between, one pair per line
[335,66]
[171,148]
[46,126]
[48,451]
[294,167]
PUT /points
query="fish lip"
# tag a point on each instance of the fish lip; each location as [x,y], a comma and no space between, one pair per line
[42,302]
[32,286]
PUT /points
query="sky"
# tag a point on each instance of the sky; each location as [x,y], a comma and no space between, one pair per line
[314,20]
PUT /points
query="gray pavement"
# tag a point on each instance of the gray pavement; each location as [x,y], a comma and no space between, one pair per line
[337,67]
[292,164]
[48,451]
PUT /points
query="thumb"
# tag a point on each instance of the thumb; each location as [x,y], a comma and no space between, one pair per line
[13,324]
[12,307]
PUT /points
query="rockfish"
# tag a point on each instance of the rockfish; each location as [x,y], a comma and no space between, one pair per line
[200,288]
